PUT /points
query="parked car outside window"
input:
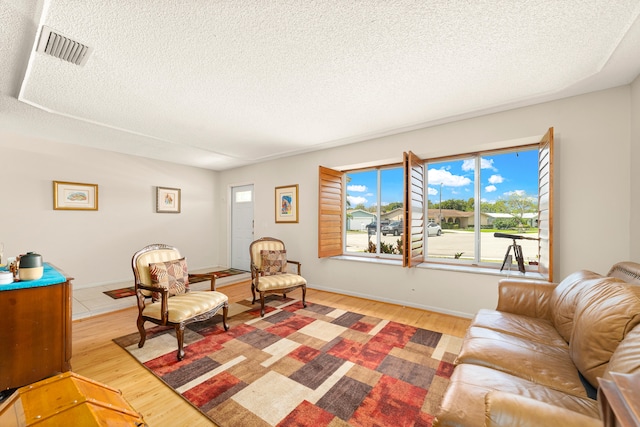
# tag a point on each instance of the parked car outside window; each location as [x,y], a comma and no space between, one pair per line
[394,228]
[371,227]
[434,229]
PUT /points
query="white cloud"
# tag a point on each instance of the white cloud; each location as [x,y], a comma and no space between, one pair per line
[470,164]
[356,200]
[432,191]
[487,164]
[437,176]
[490,188]
[496,179]
[357,188]
[515,192]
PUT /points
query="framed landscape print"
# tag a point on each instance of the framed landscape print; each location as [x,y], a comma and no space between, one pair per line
[167,200]
[287,203]
[75,196]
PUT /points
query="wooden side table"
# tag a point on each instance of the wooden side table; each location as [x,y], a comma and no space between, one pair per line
[620,400]
[36,329]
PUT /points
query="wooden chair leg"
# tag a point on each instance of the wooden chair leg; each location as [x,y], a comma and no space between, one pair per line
[261,304]
[304,296]
[225,311]
[180,337]
[143,333]
[253,292]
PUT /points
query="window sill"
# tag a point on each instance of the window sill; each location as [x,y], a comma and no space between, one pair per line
[374,260]
[460,268]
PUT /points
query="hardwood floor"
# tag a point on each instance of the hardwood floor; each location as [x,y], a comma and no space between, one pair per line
[96,356]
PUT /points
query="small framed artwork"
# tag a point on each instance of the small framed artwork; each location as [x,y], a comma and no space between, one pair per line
[287,203]
[167,200]
[75,196]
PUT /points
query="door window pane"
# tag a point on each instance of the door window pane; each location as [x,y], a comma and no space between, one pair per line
[243,196]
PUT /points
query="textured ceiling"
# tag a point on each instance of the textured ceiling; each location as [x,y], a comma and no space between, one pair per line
[220,84]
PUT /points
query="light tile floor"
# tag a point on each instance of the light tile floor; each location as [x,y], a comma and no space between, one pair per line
[92,301]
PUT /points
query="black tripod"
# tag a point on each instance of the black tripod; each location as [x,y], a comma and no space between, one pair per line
[517,251]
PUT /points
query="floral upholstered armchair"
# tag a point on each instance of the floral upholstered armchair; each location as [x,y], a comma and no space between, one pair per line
[164,298]
[269,273]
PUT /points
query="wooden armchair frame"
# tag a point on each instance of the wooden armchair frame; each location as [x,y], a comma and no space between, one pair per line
[290,281]
[144,291]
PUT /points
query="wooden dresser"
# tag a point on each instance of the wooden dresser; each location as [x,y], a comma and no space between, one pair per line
[620,400]
[36,329]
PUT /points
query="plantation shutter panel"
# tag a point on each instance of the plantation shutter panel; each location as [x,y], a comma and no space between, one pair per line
[414,211]
[545,205]
[330,212]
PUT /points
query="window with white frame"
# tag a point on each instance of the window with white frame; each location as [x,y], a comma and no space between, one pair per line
[374,212]
[449,209]
[471,198]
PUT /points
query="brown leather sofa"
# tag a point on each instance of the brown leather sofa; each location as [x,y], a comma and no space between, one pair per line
[535,360]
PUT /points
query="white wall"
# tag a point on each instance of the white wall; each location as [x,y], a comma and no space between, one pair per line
[96,247]
[634,160]
[592,187]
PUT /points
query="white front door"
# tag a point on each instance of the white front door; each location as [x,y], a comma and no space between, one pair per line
[241,226]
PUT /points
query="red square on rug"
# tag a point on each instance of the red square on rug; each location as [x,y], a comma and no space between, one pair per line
[307,414]
[357,352]
[392,402]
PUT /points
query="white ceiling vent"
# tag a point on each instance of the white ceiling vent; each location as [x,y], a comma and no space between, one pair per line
[55,44]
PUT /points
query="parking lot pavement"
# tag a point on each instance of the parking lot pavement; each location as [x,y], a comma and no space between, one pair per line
[452,242]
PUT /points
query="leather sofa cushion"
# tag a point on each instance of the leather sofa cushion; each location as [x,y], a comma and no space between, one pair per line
[509,410]
[606,312]
[527,298]
[564,300]
[626,358]
[464,401]
[548,365]
[529,328]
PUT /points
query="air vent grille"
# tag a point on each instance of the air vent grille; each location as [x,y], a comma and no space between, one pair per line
[55,44]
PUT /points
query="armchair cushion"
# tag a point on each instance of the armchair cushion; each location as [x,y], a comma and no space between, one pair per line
[186,306]
[280,281]
[171,275]
[273,261]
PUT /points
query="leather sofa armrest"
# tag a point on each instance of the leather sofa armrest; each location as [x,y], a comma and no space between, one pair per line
[527,298]
[510,410]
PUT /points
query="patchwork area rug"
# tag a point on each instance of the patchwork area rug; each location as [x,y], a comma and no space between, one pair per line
[318,366]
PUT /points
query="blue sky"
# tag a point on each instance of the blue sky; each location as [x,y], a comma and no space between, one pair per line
[501,175]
